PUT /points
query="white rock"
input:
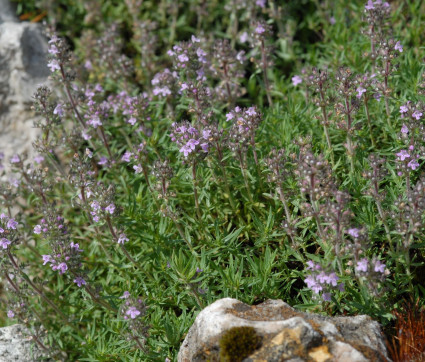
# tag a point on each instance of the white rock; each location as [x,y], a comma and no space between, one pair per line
[286,334]
[16,346]
[23,67]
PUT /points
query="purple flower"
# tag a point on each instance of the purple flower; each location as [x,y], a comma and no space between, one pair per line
[53,65]
[199,270]
[260,29]
[37,229]
[360,91]
[244,37]
[53,49]
[417,115]
[341,287]
[133,312]
[402,155]
[369,5]
[95,121]
[413,164]
[110,208]
[12,224]
[46,259]
[62,268]
[316,288]
[138,168]
[183,58]
[126,157]
[296,80]
[377,96]
[327,297]
[132,121]
[59,110]
[403,109]
[332,279]
[404,129]
[79,281]
[39,159]
[229,116]
[362,265]
[103,161]
[15,159]
[125,295]
[185,150]
[379,267]
[85,135]
[122,239]
[322,277]
[95,205]
[354,232]
[10,314]
[75,246]
[310,281]
[4,243]
[261,3]
[398,47]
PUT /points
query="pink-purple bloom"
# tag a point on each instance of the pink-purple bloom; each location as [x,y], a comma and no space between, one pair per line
[4,243]
[360,91]
[417,115]
[15,159]
[122,238]
[398,47]
[362,265]
[79,281]
[379,267]
[53,65]
[354,232]
[404,129]
[110,208]
[11,224]
[402,155]
[133,312]
[125,295]
[59,110]
[413,164]
[296,79]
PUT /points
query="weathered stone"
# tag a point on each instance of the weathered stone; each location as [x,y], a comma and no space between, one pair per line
[287,335]
[23,67]
[16,346]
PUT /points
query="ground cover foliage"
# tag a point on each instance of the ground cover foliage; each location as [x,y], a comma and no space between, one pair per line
[198,150]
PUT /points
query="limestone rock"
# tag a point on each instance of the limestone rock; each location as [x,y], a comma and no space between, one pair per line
[286,334]
[16,346]
[23,66]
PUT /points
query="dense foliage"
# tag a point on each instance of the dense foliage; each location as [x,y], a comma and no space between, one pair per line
[198,150]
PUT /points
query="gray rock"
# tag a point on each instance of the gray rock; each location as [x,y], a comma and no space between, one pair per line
[286,334]
[23,67]
[15,345]
[6,11]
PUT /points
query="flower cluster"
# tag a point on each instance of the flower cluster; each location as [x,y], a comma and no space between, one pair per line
[133,310]
[8,227]
[244,125]
[59,53]
[407,160]
[70,255]
[165,83]
[189,139]
[322,282]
